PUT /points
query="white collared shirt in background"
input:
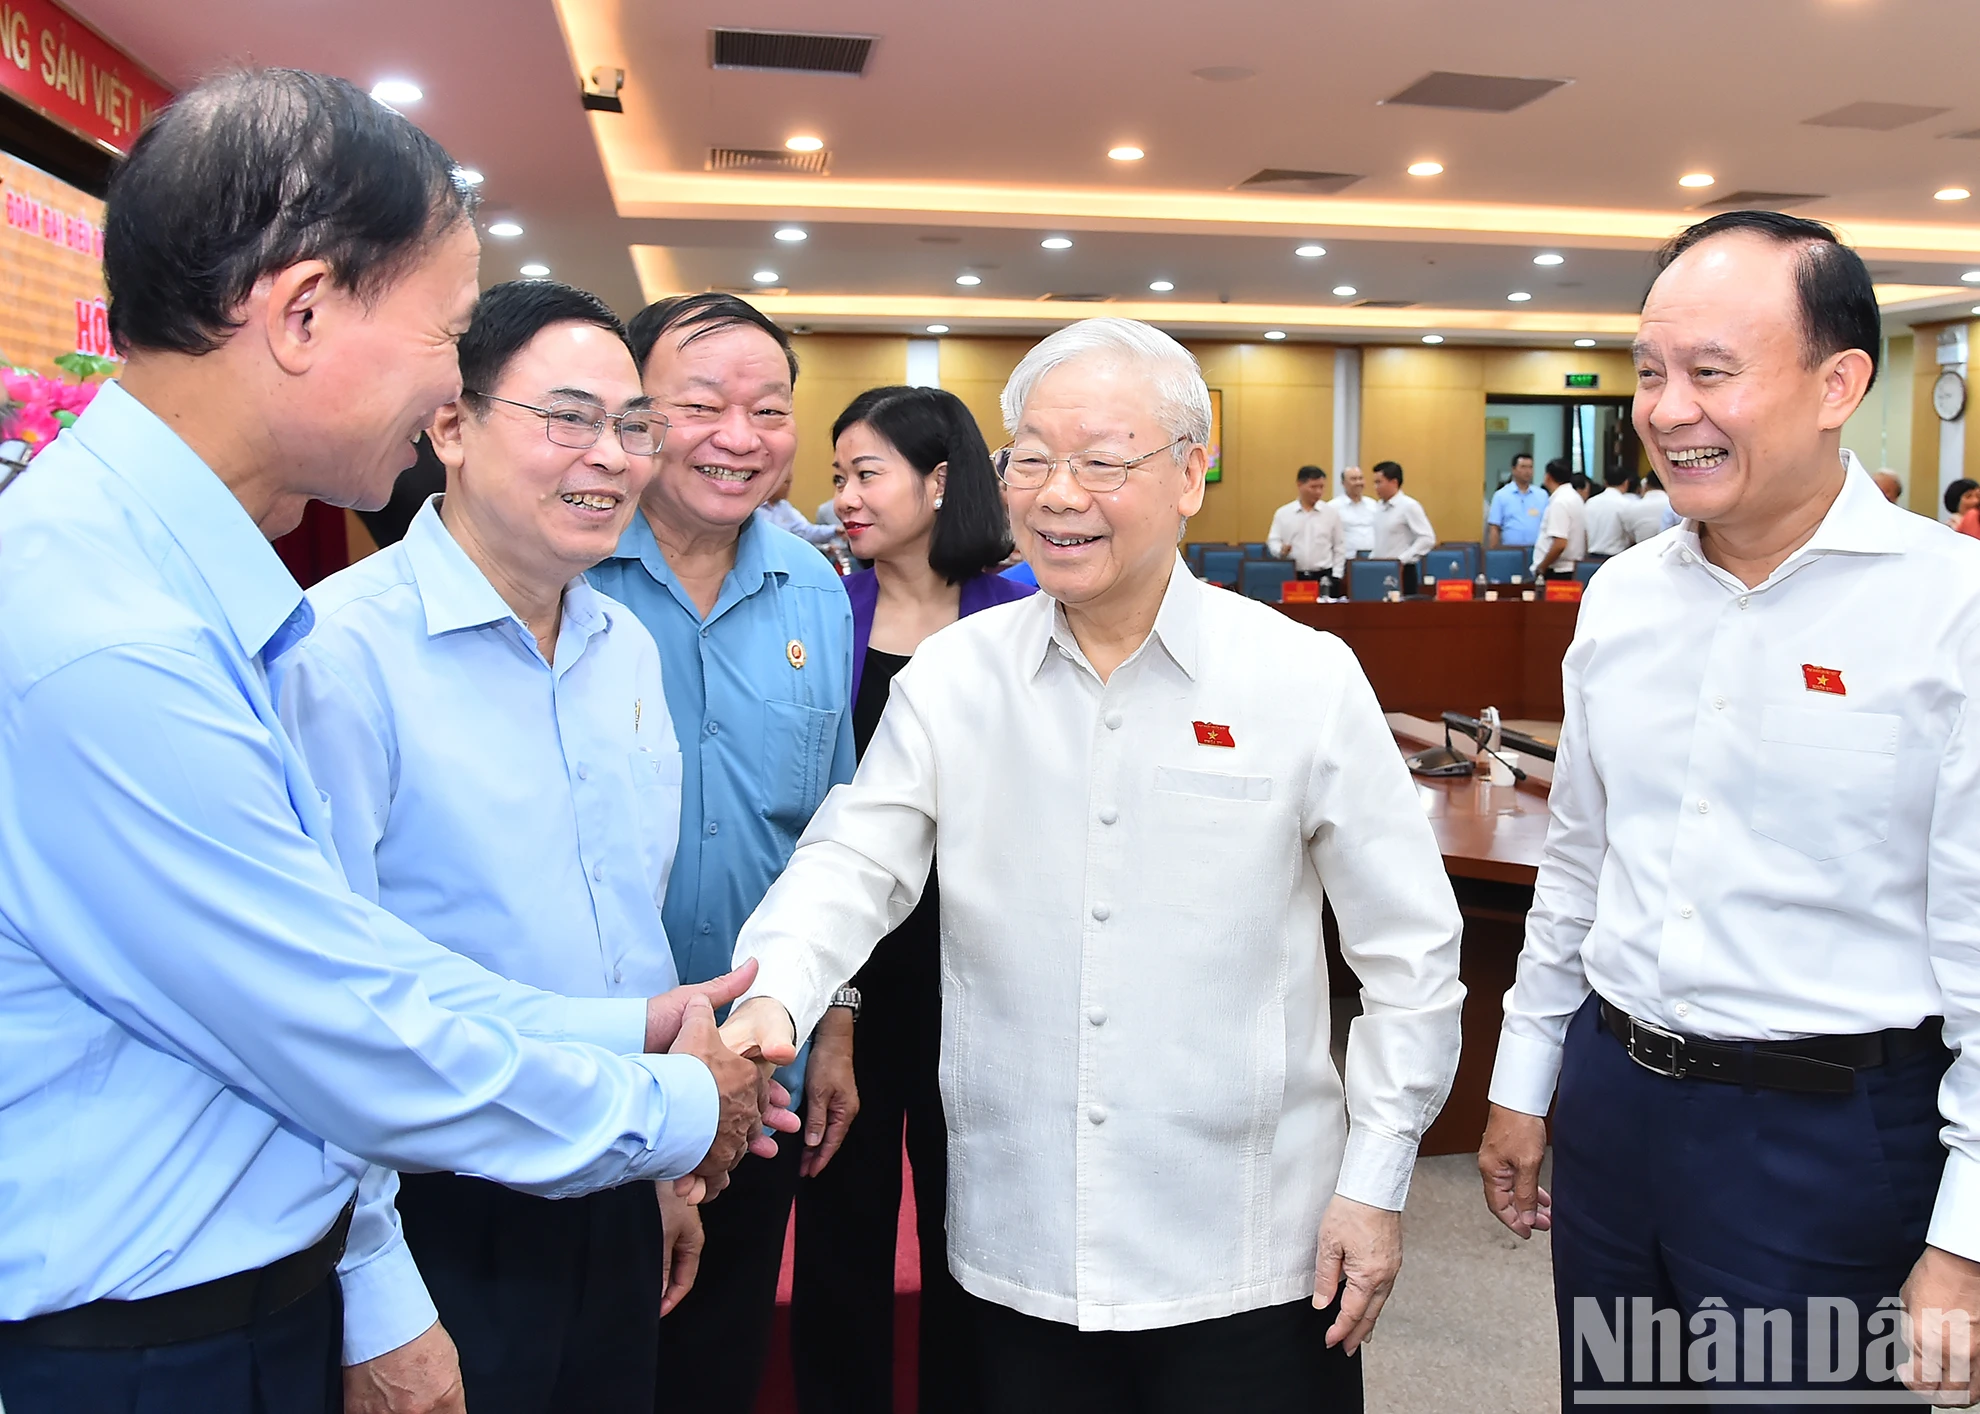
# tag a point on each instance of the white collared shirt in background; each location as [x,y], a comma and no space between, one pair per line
[1311,537]
[1736,852]
[1357,523]
[1402,529]
[1605,522]
[1566,520]
[1145,1124]
[1643,518]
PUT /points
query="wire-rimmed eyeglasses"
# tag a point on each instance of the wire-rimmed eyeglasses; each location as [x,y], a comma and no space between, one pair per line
[642,431]
[1028,468]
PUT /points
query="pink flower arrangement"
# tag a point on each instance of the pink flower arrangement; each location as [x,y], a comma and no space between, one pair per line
[37,407]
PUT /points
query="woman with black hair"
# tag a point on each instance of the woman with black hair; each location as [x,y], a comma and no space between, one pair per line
[1963,505]
[918,499]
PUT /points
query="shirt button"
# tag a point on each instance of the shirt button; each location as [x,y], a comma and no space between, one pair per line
[705,929]
[618,974]
[584,771]
[1719,703]
[1101,912]
[714,828]
[1683,1009]
[597,872]
[1687,557]
[714,728]
[1096,1016]
[1744,600]
[1685,912]
[1704,807]
[1108,815]
[1113,721]
[1096,1114]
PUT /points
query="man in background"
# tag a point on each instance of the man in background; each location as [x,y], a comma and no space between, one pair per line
[1357,513]
[1564,529]
[1308,530]
[1513,522]
[1887,482]
[1606,517]
[1402,529]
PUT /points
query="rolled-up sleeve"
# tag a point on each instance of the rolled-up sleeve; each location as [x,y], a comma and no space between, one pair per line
[232,942]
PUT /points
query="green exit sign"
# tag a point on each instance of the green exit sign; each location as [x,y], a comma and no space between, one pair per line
[1584,380]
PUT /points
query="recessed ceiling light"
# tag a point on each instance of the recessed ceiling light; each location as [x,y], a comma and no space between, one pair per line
[969,279]
[765,277]
[804,142]
[790,233]
[1548,258]
[1972,277]
[1519,297]
[1345,290]
[1126,154]
[938,328]
[1433,338]
[1951,194]
[1057,243]
[1161,287]
[505,229]
[1425,169]
[1584,343]
[1275,333]
[468,177]
[1976,309]
[535,271]
[1311,252]
[1696,179]
[396,92]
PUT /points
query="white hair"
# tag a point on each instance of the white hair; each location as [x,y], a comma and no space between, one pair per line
[1182,400]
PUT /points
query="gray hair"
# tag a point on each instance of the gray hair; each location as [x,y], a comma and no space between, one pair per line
[1183,402]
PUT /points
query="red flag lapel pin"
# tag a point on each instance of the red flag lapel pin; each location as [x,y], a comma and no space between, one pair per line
[1823,680]
[1212,734]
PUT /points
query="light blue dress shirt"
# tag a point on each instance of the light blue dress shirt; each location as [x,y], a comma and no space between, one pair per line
[202,1028]
[760,692]
[1517,514]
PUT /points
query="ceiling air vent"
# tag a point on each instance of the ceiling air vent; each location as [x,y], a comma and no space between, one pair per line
[1761,200]
[1076,298]
[1476,93]
[1292,179]
[1383,304]
[788,52]
[759,159]
[1874,117]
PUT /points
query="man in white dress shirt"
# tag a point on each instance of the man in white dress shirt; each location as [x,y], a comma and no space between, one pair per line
[1308,529]
[1606,515]
[1564,529]
[1402,529]
[1761,884]
[1141,790]
[1357,513]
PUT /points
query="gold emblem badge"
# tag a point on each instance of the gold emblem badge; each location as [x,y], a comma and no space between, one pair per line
[794,650]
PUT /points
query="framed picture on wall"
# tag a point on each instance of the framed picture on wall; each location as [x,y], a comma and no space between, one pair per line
[1216,471]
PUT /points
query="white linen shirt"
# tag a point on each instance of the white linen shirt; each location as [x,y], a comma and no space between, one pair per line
[1145,1123]
[1402,529]
[1311,537]
[1643,518]
[1606,522]
[1566,520]
[1735,854]
[1357,523]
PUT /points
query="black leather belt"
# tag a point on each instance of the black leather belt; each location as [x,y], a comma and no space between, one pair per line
[191,1313]
[1820,1065]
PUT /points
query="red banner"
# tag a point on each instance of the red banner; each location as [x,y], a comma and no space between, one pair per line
[66,71]
[1563,591]
[1300,591]
[1455,589]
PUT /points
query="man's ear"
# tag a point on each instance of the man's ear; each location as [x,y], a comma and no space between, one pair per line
[445,435]
[292,314]
[1845,381]
[1195,466]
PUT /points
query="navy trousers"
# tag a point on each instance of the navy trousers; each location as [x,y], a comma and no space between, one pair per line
[1729,1210]
[287,1363]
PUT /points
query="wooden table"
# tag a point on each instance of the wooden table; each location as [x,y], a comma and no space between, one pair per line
[1426,658]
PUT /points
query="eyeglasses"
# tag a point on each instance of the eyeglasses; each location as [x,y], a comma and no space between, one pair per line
[642,432]
[1028,468]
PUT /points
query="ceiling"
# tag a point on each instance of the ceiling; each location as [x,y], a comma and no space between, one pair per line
[974,133]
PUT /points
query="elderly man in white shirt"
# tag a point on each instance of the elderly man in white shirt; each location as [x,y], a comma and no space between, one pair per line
[1307,529]
[1564,529]
[1357,513]
[1761,892]
[1142,790]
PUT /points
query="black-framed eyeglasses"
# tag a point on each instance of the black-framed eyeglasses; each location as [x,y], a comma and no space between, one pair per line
[1028,468]
[13,461]
[642,432]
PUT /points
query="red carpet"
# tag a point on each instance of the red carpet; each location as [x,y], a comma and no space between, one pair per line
[777,1395]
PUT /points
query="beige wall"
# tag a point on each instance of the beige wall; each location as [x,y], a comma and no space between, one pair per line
[1879,432]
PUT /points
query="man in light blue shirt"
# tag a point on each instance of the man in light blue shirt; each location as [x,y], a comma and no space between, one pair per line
[1513,522]
[205,1036]
[502,775]
[755,636]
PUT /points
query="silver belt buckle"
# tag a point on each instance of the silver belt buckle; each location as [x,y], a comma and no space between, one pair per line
[1658,1051]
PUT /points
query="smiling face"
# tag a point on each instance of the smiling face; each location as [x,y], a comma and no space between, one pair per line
[1096,549]
[1741,430]
[1352,482]
[547,512]
[886,507]
[728,395]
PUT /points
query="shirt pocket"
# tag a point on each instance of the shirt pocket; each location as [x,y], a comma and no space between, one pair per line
[656,788]
[1824,781]
[1212,785]
[798,742]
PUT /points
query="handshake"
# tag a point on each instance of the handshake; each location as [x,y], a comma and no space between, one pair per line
[741,1056]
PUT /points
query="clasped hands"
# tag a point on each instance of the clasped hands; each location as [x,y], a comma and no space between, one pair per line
[682,1022]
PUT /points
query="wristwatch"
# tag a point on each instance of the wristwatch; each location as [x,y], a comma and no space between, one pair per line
[847,997]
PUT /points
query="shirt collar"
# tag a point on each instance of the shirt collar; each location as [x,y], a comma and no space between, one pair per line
[256,593]
[1861,522]
[1176,624]
[456,594]
[753,563]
